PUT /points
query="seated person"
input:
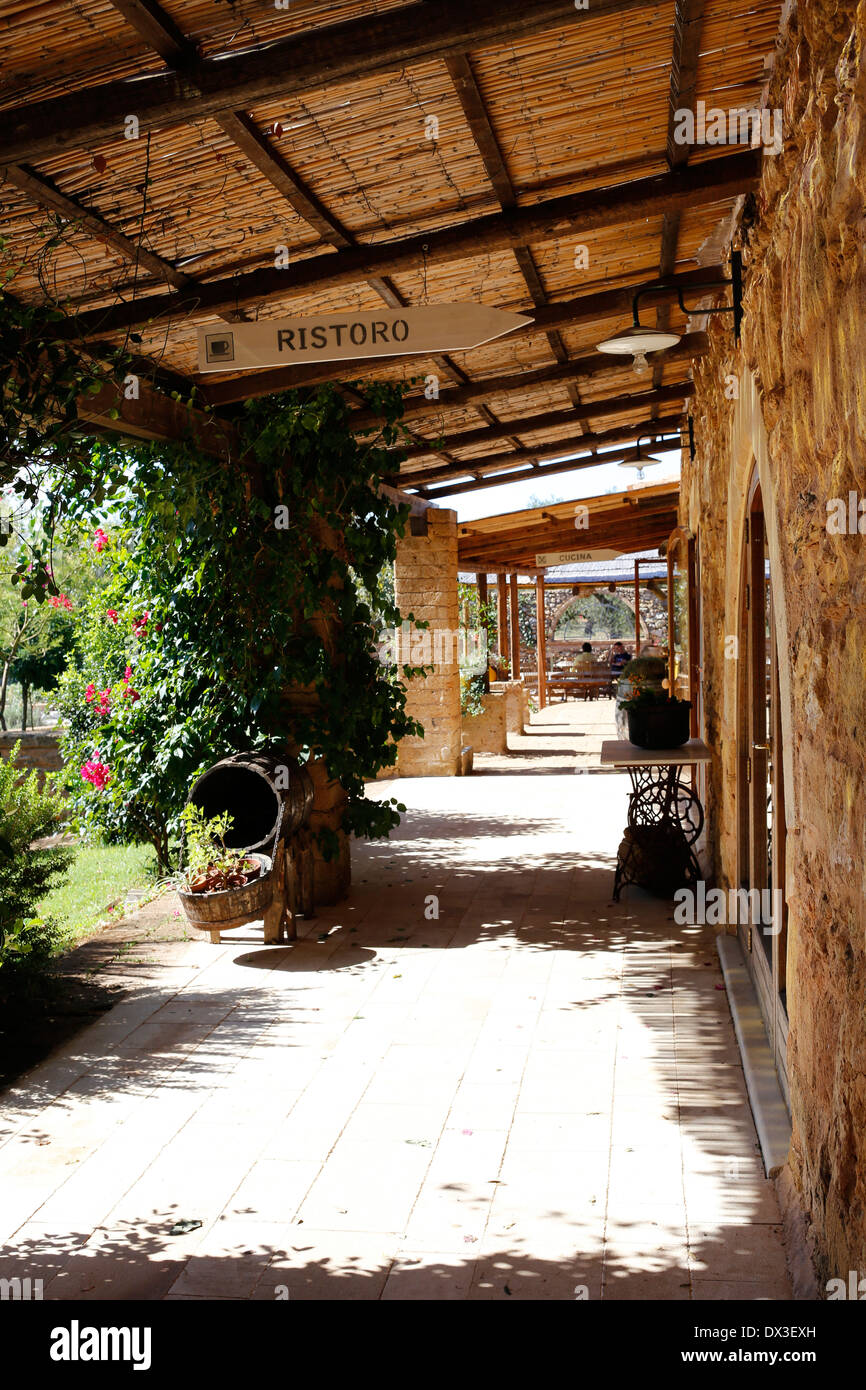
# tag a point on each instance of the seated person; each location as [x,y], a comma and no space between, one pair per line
[584,660]
[619,658]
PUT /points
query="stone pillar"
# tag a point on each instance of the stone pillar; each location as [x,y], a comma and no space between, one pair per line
[425,584]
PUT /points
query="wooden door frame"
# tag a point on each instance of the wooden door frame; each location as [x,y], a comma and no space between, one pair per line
[768,973]
[680,536]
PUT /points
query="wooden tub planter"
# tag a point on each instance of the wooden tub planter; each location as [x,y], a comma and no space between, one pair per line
[218,910]
[270,799]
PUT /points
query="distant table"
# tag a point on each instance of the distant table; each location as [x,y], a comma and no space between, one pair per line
[664,814]
[588,683]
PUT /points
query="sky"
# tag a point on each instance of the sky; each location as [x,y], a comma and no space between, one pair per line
[564,487]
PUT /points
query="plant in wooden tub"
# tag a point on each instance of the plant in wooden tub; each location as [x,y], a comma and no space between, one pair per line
[211,866]
[655,720]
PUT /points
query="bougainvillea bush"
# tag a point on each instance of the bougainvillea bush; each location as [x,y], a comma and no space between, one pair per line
[241,612]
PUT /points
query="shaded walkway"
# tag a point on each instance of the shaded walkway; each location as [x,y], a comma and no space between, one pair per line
[532,1093]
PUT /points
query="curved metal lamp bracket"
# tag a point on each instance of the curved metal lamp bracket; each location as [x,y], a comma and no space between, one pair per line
[735,281]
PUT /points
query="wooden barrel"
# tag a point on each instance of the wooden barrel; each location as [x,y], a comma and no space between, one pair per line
[253,787]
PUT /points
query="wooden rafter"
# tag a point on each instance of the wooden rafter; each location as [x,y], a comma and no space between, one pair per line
[478,119]
[688,26]
[552,419]
[42,191]
[598,367]
[707,182]
[552,449]
[318,57]
[519,475]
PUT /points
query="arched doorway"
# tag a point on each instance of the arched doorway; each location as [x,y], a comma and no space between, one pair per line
[763,931]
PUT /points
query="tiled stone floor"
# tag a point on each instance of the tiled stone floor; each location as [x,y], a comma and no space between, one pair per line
[535,1094]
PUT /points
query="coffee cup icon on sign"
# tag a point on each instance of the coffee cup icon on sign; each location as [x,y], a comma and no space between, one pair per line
[219,347]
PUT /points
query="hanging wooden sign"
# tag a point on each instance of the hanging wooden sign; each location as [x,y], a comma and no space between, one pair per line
[341,337]
[573,557]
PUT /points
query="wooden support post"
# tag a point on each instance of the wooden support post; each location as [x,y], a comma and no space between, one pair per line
[502,614]
[540,642]
[672,666]
[637,607]
[515,630]
[482,604]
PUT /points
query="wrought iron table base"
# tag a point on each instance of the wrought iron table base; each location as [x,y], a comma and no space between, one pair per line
[659,802]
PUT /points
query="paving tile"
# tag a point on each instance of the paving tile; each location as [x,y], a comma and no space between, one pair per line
[537,1097]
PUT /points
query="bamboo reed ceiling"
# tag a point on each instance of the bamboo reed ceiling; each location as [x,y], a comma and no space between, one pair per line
[307,127]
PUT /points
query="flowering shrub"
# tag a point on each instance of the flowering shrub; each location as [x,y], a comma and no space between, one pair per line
[112,744]
[96,772]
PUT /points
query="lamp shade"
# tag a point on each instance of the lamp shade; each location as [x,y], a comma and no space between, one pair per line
[638,340]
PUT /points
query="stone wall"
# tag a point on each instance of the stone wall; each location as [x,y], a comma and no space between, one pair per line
[425,584]
[486,732]
[40,748]
[792,403]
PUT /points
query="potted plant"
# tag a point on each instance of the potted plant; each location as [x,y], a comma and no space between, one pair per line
[641,673]
[211,866]
[655,720]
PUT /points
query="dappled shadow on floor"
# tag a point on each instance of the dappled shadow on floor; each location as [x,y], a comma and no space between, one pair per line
[182,1054]
[246,1259]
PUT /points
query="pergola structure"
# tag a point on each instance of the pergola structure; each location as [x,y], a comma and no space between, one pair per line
[510,545]
[169,165]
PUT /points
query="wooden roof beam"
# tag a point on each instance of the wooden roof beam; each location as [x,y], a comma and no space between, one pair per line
[552,418]
[526,540]
[598,367]
[548,458]
[708,182]
[626,533]
[688,26]
[478,119]
[44,193]
[319,57]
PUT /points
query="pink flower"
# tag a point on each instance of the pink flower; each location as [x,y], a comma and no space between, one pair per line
[96,772]
[127,675]
[139,626]
[60,601]
[100,540]
[130,694]
[103,707]
[90,692]
[111,613]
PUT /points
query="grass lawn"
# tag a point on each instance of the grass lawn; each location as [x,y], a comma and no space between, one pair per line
[99,876]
